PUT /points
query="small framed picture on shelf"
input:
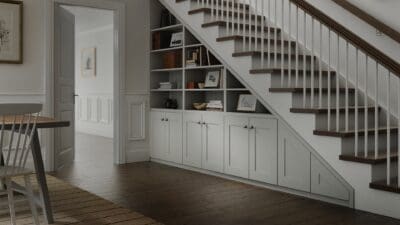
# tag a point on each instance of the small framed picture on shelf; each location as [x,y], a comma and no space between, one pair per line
[176,39]
[247,103]
[212,79]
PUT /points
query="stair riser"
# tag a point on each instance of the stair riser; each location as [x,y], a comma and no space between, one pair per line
[224,7]
[256,62]
[248,34]
[239,47]
[276,80]
[228,17]
[322,121]
[348,143]
[298,100]
[379,172]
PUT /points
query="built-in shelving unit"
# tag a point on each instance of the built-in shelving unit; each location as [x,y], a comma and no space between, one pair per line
[168,64]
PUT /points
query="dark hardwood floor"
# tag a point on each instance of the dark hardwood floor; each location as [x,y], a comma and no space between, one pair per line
[175,196]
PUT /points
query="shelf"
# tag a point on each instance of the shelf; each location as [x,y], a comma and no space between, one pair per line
[166,90]
[166,49]
[204,90]
[204,67]
[194,45]
[172,27]
[167,70]
[237,89]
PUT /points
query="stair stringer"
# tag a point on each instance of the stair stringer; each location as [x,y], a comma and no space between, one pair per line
[326,149]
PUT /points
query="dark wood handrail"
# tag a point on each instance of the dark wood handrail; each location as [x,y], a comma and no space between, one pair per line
[345,33]
[392,33]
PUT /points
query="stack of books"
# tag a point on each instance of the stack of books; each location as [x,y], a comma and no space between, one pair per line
[166,85]
[215,105]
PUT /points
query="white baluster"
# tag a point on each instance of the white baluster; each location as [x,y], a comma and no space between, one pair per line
[337,85]
[320,65]
[329,79]
[304,61]
[269,34]
[212,10]
[282,46]
[276,35]
[398,136]
[388,151]
[262,34]
[256,24]
[376,109]
[250,24]
[244,27]
[356,108]
[297,47]
[290,49]
[366,109]
[232,16]
[347,89]
[312,61]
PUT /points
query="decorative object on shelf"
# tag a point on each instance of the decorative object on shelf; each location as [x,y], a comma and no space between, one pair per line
[215,105]
[88,62]
[167,19]
[200,106]
[193,57]
[161,40]
[166,86]
[172,59]
[247,103]
[212,79]
[176,40]
[11,38]
[191,85]
[171,103]
[201,85]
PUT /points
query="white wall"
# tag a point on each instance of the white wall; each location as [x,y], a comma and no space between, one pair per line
[94,103]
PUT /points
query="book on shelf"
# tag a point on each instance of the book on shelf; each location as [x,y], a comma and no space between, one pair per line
[166,85]
[215,105]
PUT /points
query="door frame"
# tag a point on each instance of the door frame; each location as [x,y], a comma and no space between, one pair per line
[119,72]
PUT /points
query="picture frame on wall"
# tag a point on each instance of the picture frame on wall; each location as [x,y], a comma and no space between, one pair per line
[11,32]
[212,79]
[88,62]
[247,103]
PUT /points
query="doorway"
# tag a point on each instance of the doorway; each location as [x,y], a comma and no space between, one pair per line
[87,69]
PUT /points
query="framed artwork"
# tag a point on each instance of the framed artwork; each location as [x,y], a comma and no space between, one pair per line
[88,62]
[176,40]
[247,103]
[11,38]
[212,79]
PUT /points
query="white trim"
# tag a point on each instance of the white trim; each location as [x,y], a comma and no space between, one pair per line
[97,29]
[119,68]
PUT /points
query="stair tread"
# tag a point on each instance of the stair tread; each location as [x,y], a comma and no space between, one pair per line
[240,38]
[370,159]
[225,3]
[332,109]
[351,133]
[255,53]
[383,186]
[224,12]
[236,25]
[294,89]
[286,70]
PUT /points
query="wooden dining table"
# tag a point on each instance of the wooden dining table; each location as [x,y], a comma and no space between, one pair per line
[42,123]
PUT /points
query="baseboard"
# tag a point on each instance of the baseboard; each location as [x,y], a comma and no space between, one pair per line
[137,155]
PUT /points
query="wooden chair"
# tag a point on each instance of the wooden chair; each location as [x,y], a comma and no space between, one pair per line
[17,124]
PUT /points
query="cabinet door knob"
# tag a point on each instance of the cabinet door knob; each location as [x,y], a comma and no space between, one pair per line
[199,122]
[167,120]
[252,127]
[162,119]
[245,127]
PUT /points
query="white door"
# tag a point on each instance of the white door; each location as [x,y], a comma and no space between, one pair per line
[158,135]
[264,150]
[213,142]
[237,146]
[192,140]
[174,133]
[64,69]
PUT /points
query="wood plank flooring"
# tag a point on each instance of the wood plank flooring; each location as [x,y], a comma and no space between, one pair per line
[178,197]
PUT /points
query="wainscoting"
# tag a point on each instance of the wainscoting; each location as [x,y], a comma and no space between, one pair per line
[94,114]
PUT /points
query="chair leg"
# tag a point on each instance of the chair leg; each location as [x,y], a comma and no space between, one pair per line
[31,198]
[11,201]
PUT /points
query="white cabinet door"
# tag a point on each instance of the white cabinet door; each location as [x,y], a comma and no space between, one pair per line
[174,137]
[294,162]
[213,142]
[158,135]
[192,139]
[264,150]
[237,146]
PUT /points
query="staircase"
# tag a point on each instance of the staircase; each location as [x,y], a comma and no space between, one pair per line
[339,95]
